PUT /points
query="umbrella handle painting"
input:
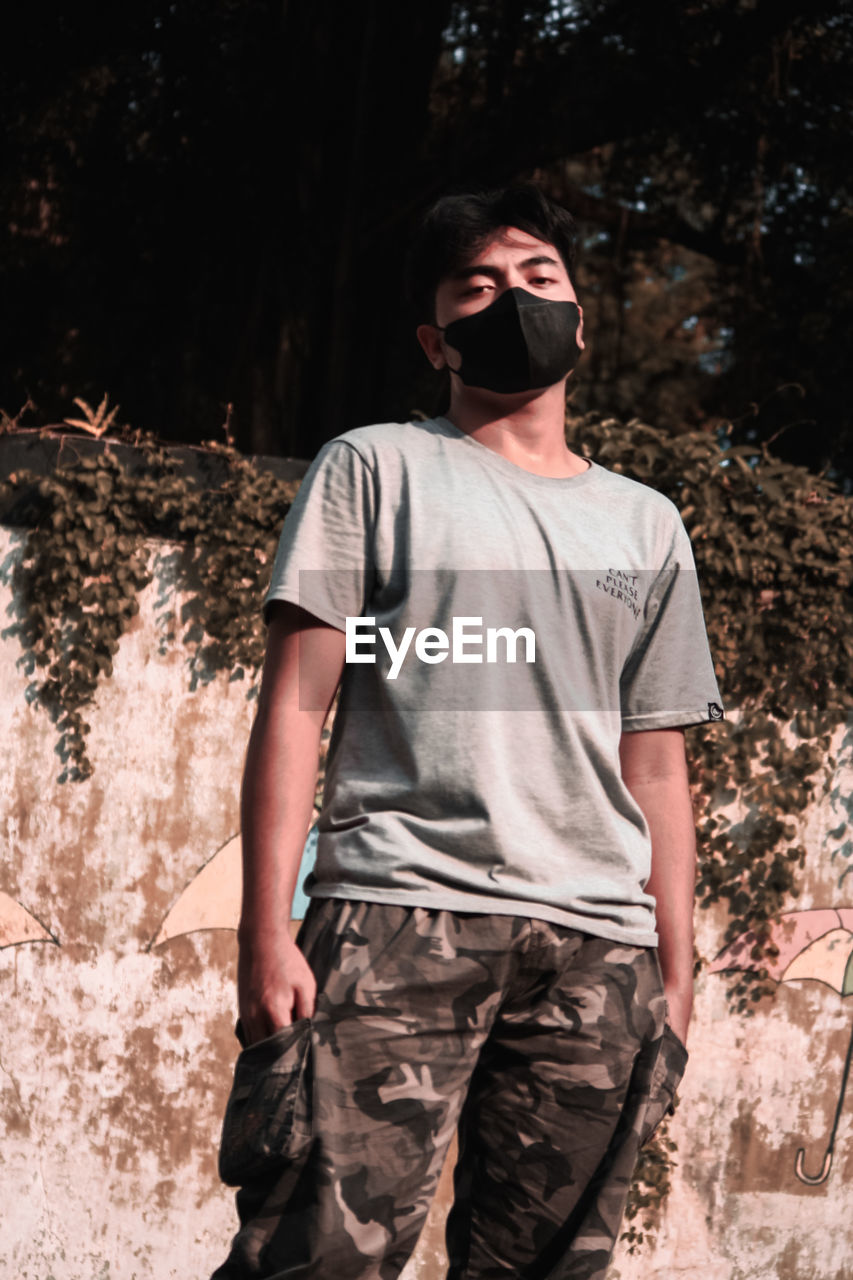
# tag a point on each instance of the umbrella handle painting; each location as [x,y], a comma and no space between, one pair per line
[799,1167]
[812,1181]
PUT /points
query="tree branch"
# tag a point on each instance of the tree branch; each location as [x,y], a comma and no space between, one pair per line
[640,227]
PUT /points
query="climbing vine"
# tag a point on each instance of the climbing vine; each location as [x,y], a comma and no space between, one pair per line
[86,560]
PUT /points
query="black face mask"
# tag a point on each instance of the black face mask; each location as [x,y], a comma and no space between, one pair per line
[519,342]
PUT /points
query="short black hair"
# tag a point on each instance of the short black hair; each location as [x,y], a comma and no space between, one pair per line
[457,226]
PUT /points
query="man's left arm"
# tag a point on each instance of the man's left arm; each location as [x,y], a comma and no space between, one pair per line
[654,769]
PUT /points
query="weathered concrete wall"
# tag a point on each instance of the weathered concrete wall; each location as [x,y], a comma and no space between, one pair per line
[117,1045]
[115,1057]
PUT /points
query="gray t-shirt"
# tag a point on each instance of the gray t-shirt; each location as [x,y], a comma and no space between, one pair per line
[505,628]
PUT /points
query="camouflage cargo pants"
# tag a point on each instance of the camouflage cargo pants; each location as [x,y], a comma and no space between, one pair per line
[547,1047]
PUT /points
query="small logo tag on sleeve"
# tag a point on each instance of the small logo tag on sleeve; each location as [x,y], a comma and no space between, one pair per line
[715,711]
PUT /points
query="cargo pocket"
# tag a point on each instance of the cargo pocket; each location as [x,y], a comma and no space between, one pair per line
[666,1076]
[267,1120]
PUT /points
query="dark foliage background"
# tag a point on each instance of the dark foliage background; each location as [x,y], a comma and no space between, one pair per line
[209,203]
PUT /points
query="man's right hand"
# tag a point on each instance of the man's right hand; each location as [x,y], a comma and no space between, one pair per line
[275,986]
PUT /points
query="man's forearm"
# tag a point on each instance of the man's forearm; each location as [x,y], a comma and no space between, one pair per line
[655,773]
[668,811]
[276,803]
[301,673]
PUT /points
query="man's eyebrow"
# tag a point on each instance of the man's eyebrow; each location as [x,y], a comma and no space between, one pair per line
[465,273]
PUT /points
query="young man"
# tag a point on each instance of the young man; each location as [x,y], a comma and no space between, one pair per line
[500,930]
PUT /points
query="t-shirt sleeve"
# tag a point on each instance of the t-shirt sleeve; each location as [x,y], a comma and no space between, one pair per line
[324,560]
[668,680]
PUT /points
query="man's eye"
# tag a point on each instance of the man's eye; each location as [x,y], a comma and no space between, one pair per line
[543,280]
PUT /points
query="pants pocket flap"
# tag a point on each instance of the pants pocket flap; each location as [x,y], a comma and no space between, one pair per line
[268,1115]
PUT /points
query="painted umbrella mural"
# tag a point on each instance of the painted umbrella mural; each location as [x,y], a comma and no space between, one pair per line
[813,945]
[212,898]
[18,925]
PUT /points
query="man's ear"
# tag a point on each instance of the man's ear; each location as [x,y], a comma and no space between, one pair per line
[430,339]
[579,334]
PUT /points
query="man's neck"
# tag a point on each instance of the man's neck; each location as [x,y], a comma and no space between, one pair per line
[529,432]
